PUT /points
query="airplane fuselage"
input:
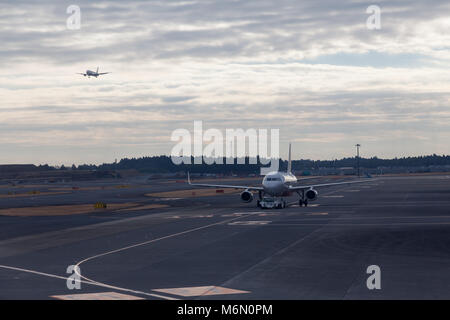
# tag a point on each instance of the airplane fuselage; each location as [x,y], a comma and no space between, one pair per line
[90,73]
[277,183]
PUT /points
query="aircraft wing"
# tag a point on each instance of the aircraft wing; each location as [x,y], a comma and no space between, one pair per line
[223,186]
[294,188]
[83,74]
[103,73]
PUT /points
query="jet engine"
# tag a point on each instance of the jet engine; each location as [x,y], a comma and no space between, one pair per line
[311,194]
[247,196]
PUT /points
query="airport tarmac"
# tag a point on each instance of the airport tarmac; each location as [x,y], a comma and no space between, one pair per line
[216,247]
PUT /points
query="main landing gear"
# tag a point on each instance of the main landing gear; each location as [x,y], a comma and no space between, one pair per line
[303,200]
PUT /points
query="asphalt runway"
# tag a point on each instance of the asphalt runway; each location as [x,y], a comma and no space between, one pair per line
[220,248]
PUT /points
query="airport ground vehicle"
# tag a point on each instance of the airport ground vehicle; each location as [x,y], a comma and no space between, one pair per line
[271,202]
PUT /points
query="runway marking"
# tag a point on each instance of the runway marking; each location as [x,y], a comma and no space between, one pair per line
[96,283]
[246,213]
[393,204]
[357,218]
[317,214]
[173,217]
[202,216]
[86,282]
[363,224]
[249,223]
[309,205]
[97,296]
[279,252]
[145,243]
[391,217]
[200,291]
[240,214]
[191,217]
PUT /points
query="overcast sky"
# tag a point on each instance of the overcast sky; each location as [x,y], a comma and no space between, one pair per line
[310,68]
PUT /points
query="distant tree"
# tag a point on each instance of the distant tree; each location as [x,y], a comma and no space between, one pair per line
[164,164]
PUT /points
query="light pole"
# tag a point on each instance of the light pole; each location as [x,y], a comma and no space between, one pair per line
[357,156]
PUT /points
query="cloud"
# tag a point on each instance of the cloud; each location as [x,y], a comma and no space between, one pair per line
[310,68]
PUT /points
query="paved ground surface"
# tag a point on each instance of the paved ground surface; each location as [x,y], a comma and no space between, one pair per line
[217,247]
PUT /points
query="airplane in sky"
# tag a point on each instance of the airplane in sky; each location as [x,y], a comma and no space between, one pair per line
[276,185]
[90,73]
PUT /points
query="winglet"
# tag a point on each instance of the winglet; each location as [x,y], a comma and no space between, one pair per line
[188,178]
[289,168]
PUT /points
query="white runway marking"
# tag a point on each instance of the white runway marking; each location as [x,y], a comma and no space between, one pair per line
[85,282]
[97,296]
[145,243]
[363,224]
[88,281]
[249,223]
[173,217]
[96,283]
[200,291]
[317,214]
[240,214]
[390,217]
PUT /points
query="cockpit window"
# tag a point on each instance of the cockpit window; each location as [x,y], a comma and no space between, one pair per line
[273,179]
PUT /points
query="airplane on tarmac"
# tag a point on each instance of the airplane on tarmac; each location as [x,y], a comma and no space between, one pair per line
[90,73]
[277,184]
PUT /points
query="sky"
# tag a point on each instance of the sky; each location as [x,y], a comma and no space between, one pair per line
[312,69]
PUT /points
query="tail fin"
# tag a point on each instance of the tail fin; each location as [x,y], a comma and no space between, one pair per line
[289,168]
[97,70]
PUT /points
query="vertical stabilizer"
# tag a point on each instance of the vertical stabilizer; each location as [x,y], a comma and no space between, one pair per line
[289,168]
[97,70]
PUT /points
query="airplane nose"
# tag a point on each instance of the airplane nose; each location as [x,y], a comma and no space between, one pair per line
[274,186]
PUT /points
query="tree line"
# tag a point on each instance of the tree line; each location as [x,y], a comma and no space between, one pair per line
[164,164]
